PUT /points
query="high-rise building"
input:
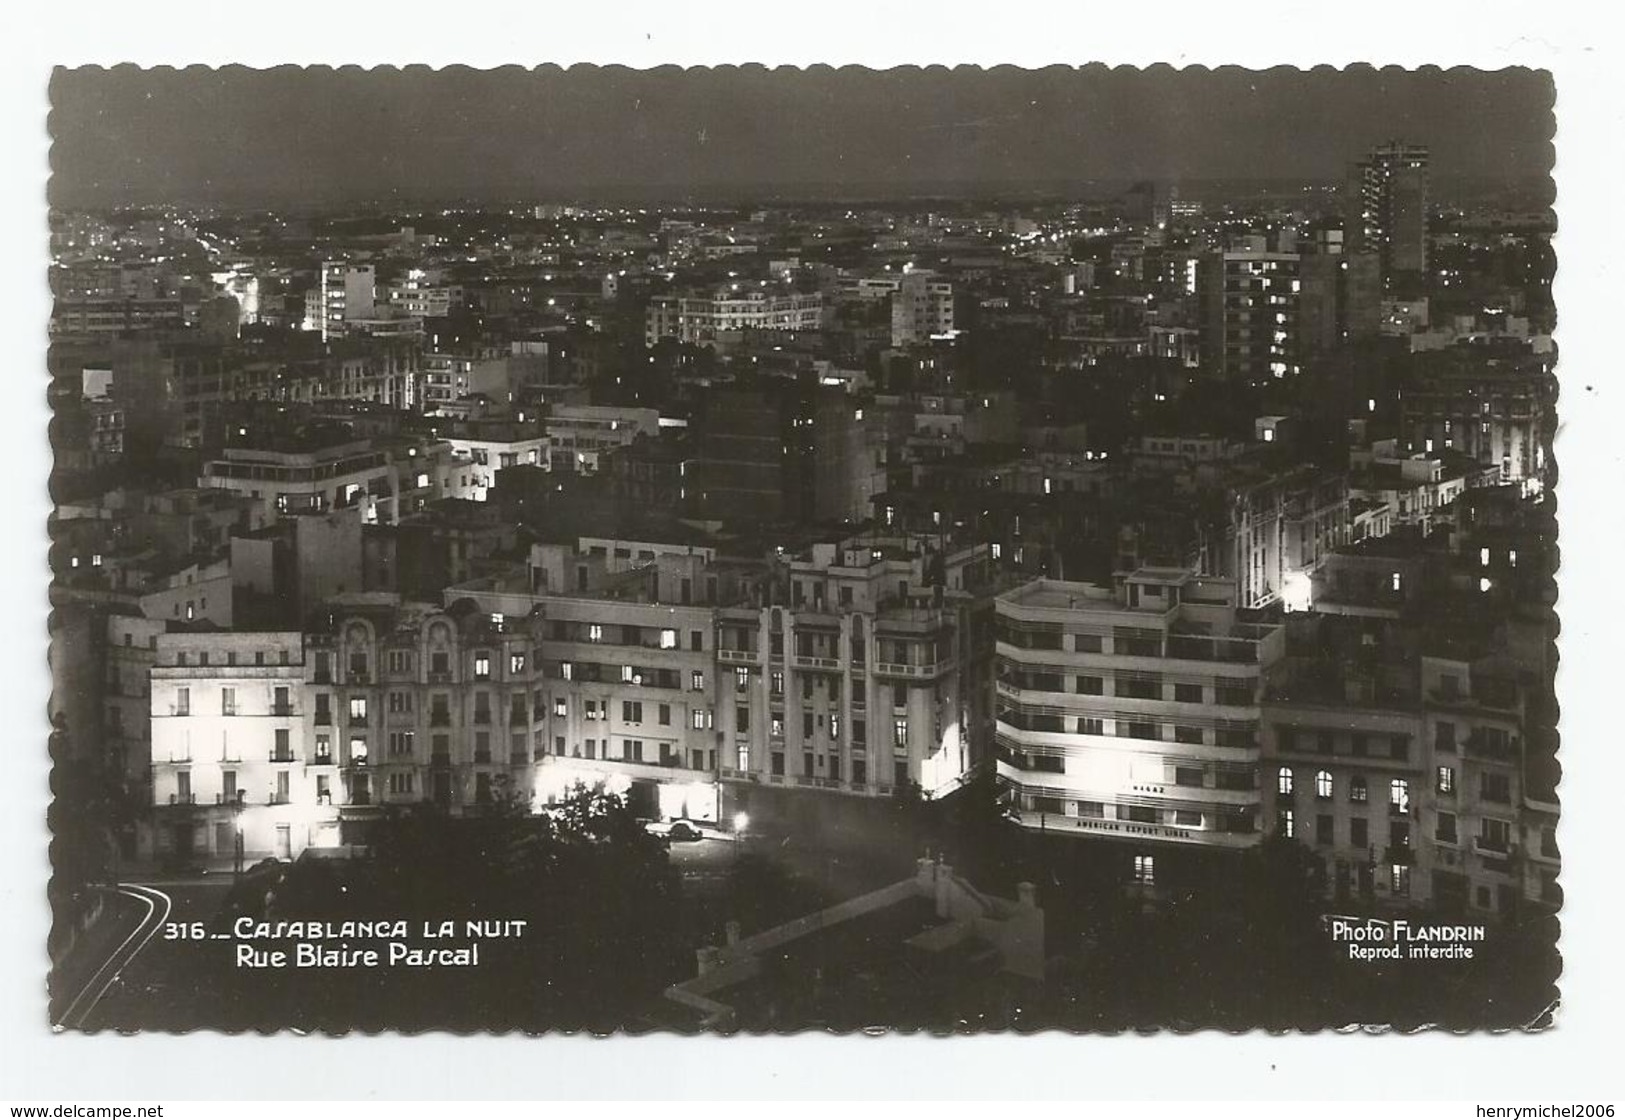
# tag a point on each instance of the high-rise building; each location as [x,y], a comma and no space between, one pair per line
[1387,207]
[1250,315]
[922,309]
[1131,712]
[346,293]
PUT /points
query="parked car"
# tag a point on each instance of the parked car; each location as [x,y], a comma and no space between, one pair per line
[683,832]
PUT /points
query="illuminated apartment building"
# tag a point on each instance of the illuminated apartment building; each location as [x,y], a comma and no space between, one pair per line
[1132,712]
[1408,777]
[1387,207]
[625,672]
[922,309]
[296,472]
[1250,302]
[1347,775]
[864,681]
[234,771]
[705,319]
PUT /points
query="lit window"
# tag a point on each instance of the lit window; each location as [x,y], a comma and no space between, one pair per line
[1283,781]
[1323,784]
[997,549]
[482,666]
[628,676]
[1399,795]
[1483,558]
[1446,779]
[595,633]
[1401,878]
[567,670]
[1394,583]
[1288,824]
[696,681]
[516,663]
[1512,558]
[668,639]
[1145,870]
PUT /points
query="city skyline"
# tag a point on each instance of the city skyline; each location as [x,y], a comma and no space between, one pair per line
[931,614]
[324,137]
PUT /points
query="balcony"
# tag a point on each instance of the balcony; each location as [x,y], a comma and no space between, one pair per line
[737,656]
[282,756]
[1400,855]
[324,718]
[439,717]
[915,672]
[807,661]
[1056,822]
[283,710]
[1496,697]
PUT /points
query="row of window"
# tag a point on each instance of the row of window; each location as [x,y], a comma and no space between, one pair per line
[1361,744]
[1493,835]
[1138,686]
[280,703]
[261,657]
[1493,786]
[1399,789]
[1126,726]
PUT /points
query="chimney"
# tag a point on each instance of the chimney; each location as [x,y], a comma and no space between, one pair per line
[944,872]
[706,957]
[732,930]
[924,872]
[1027,895]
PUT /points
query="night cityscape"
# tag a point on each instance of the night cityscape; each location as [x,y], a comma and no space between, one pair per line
[750,551]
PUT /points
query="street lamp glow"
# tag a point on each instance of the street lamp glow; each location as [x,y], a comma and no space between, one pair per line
[741,821]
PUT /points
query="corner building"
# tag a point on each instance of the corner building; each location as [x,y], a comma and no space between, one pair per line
[1132,712]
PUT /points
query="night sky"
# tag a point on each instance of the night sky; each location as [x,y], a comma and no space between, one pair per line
[290,136]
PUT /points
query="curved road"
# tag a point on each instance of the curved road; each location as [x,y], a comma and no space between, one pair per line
[158,907]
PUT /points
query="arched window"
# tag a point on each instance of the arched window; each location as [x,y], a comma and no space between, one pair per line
[1283,781]
[1323,784]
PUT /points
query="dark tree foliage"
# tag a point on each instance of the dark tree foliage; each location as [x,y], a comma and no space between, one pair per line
[596,891]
